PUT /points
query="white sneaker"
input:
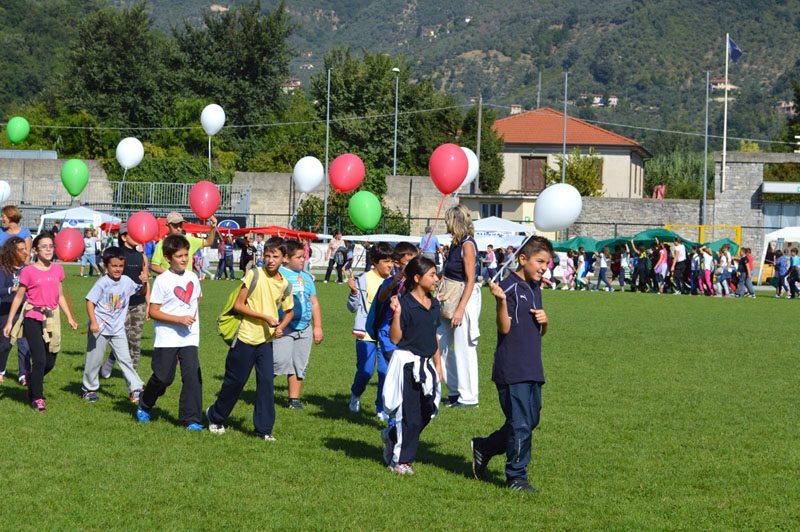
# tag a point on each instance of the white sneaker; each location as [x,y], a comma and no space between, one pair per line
[213,427]
[383,416]
[355,403]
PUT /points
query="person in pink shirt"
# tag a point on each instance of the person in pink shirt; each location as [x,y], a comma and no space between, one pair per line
[40,320]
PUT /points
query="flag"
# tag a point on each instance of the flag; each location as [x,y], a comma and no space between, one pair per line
[734,51]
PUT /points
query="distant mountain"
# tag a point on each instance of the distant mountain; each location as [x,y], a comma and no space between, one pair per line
[651,54]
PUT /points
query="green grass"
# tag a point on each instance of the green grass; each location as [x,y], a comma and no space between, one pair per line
[659,412]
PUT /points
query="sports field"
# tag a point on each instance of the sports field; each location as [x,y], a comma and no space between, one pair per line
[660,412]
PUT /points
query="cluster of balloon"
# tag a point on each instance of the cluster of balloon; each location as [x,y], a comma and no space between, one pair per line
[5,191]
[74,177]
[557,207]
[17,129]
[142,227]
[472,166]
[364,209]
[69,244]
[130,153]
[347,173]
[308,173]
[448,168]
[204,198]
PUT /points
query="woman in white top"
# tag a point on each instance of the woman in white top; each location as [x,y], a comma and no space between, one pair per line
[723,273]
[708,267]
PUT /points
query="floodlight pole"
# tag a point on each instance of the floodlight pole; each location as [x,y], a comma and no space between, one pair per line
[327,144]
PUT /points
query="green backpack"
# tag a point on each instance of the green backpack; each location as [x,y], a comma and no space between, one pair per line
[229,320]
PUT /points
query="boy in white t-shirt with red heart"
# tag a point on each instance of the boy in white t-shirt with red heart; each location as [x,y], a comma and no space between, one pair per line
[174,301]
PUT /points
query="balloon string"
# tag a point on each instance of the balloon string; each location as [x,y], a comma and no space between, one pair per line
[321,218]
[210,173]
[69,300]
[436,223]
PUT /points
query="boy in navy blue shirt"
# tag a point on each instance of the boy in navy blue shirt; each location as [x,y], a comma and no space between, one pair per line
[517,371]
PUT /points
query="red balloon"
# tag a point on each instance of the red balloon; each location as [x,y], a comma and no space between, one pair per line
[69,244]
[347,173]
[142,227]
[448,167]
[204,199]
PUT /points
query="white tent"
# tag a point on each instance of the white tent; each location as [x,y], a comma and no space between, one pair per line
[493,224]
[787,234]
[483,240]
[78,218]
[382,238]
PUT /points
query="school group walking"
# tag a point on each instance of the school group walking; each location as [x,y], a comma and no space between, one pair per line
[417,328]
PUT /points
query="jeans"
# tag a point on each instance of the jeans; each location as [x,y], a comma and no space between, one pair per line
[366,358]
[331,264]
[23,351]
[241,360]
[745,283]
[521,404]
[601,278]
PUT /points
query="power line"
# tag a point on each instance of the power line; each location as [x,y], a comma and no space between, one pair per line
[654,129]
[242,126]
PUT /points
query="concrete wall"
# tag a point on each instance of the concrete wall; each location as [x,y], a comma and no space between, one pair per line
[421,195]
[608,217]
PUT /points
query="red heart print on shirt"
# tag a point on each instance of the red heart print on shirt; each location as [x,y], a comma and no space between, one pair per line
[184,294]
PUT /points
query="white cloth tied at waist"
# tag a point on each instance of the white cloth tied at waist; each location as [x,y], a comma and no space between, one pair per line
[393,383]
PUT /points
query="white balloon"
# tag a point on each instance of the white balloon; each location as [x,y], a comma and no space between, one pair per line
[212,118]
[308,173]
[5,191]
[472,171]
[129,152]
[557,207]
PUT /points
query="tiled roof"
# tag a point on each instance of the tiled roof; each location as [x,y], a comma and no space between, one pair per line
[546,126]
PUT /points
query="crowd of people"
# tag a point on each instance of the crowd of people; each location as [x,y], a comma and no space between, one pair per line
[416,323]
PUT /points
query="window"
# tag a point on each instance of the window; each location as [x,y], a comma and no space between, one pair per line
[491,209]
[533,173]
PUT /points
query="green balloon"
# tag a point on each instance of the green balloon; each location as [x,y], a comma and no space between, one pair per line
[17,129]
[74,176]
[365,210]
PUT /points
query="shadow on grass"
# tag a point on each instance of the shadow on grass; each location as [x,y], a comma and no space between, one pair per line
[426,454]
[336,407]
[15,392]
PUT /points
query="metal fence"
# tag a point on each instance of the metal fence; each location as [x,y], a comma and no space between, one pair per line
[136,196]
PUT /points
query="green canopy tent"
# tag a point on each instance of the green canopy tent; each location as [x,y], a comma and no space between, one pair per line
[613,242]
[649,237]
[716,245]
[588,244]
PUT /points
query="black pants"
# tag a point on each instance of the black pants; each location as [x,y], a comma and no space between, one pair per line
[679,277]
[639,279]
[331,264]
[164,364]
[521,404]
[42,360]
[241,359]
[418,410]
[793,277]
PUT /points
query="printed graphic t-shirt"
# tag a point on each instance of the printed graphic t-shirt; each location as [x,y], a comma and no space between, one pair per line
[111,299]
[178,295]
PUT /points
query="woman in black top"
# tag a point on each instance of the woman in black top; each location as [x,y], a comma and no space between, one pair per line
[13,255]
[458,336]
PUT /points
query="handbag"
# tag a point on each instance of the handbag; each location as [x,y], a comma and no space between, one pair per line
[449,295]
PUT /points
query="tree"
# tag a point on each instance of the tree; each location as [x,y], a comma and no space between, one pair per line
[491,163]
[584,172]
[118,69]
[681,172]
[311,213]
[239,59]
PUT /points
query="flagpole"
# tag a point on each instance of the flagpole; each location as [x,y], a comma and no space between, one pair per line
[725,116]
[705,158]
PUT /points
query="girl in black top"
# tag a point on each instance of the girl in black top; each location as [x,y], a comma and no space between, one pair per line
[412,388]
[13,256]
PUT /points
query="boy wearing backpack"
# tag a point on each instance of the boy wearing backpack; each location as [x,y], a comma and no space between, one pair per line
[263,291]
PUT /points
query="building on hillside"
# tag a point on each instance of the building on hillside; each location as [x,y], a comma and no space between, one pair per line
[533,142]
[290,86]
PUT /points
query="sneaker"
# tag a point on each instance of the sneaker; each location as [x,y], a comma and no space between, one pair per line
[401,469]
[214,428]
[23,380]
[89,396]
[388,448]
[355,403]
[459,404]
[294,404]
[383,416]
[266,437]
[194,427]
[520,484]
[38,405]
[135,396]
[479,462]
[142,415]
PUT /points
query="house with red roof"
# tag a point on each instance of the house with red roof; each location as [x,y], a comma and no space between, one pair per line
[533,141]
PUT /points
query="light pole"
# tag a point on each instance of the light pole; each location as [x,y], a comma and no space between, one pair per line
[327,143]
[396,97]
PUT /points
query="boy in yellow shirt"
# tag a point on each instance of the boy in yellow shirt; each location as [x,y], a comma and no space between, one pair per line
[253,344]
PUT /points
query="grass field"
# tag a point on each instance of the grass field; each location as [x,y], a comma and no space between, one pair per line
[659,412]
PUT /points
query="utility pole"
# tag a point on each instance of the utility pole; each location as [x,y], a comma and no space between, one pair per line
[564,145]
[396,97]
[705,157]
[327,144]
[478,142]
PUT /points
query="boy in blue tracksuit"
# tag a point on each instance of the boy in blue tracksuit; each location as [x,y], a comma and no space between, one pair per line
[363,289]
[517,372]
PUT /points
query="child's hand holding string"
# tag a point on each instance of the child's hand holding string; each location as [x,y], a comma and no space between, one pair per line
[395,305]
[540,316]
[351,282]
[497,292]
